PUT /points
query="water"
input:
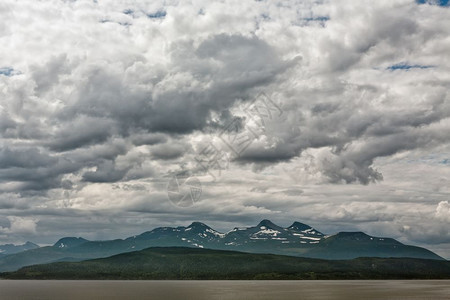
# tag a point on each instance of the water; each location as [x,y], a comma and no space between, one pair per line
[168,290]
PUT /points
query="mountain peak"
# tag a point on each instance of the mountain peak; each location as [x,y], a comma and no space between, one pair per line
[198,225]
[69,242]
[299,226]
[268,224]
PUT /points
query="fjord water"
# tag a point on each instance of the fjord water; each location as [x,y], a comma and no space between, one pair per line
[169,289]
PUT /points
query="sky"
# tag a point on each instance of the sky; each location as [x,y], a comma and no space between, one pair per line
[117,117]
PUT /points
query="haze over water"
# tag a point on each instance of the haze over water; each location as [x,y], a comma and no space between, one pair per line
[168,290]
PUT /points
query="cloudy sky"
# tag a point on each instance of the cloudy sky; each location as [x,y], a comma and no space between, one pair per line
[332,113]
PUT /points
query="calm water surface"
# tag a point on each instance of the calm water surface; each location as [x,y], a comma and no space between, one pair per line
[168,290]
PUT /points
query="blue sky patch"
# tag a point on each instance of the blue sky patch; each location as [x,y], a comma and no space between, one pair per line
[128,11]
[406,66]
[434,2]
[126,24]
[157,15]
[318,19]
[8,72]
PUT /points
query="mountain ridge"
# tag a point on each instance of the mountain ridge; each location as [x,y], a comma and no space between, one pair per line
[296,240]
[8,249]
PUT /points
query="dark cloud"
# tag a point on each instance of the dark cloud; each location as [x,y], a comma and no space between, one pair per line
[81,132]
[292,192]
[168,151]
[148,139]
[24,158]
[106,171]
[48,75]
[39,178]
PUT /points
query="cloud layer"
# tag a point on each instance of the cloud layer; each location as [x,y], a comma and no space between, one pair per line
[102,101]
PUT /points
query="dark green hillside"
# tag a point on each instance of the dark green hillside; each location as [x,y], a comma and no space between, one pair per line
[191,263]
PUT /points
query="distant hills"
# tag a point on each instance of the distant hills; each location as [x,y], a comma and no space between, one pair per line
[197,263]
[12,249]
[296,240]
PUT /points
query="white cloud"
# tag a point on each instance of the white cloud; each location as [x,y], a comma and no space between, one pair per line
[443,211]
[20,226]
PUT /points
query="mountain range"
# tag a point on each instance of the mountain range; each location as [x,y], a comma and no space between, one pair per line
[296,240]
[12,249]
